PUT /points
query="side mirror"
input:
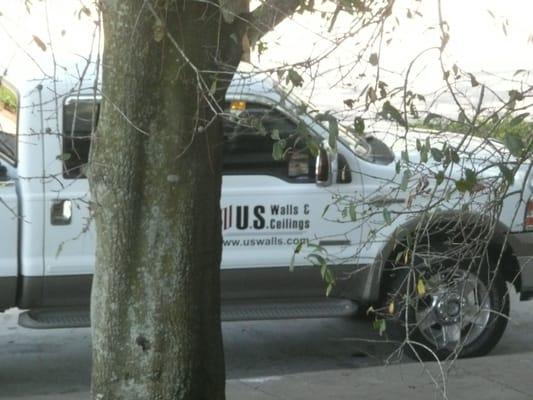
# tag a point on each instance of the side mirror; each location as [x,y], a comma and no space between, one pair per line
[323,168]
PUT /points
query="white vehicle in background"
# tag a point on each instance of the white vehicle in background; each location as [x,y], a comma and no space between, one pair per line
[269,208]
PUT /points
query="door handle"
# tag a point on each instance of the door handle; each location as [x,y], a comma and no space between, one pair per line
[61,212]
[381,201]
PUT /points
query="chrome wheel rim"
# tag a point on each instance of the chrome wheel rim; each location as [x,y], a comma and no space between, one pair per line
[455,311]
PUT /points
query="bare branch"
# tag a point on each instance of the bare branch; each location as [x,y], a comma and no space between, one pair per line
[267,16]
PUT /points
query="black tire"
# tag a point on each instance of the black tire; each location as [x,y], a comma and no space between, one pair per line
[444,308]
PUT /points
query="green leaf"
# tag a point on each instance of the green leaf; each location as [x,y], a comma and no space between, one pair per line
[507,173]
[64,157]
[455,156]
[424,154]
[392,112]
[452,155]
[353,215]
[436,154]
[379,325]
[399,257]
[387,217]
[515,95]
[359,125]
[275,134]
[278,149]
[439,178]
[374,59]
[261,47]
[470,177]
[327,275]
[431,116]
[462,185]
[297,250]
[316,259]
[405,180]
[371,95]
[294,77]
[519,118]
[514,143]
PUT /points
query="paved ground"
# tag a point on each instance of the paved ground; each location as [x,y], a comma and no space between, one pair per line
[298,359]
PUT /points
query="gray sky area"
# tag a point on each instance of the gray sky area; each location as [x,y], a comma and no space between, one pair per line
[490,38]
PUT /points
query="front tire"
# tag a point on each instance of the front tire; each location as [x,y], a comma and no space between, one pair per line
[446,304]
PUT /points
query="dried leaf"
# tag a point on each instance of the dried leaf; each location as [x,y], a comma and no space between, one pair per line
[39,43]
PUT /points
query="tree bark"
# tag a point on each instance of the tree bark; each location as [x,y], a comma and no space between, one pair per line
[155,177]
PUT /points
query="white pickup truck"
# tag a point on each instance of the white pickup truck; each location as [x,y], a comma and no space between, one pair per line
[351,201]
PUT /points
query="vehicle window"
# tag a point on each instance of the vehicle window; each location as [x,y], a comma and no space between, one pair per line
[250,142]
[79,120]
[9,107]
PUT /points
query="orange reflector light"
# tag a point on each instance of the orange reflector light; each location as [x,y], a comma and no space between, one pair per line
[238,106]
[528,222]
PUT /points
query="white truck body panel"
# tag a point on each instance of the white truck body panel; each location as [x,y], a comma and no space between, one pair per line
[8,226]
[264,217]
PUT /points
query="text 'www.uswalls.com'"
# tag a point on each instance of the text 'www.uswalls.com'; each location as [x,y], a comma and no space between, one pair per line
[269,241]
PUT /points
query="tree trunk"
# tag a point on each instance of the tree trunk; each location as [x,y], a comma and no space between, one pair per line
[155,177]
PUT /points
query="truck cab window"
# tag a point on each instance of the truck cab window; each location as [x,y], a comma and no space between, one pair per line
[80,117]
[250,142]
[9,107]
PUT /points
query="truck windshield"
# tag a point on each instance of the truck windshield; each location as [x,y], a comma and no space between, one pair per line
[8,123]
[299,106]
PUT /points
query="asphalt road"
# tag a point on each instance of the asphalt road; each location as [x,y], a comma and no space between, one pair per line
[34,363]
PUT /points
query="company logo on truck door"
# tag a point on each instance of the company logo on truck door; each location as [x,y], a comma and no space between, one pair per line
[277,217]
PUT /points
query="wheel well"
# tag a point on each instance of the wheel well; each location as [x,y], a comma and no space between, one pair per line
[508,264]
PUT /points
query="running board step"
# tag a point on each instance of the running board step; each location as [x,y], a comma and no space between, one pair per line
[53,319]
[74,318]
[288,310]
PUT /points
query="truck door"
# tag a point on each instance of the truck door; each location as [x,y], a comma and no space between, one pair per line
[9,213]
[71,238]
[271,206]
